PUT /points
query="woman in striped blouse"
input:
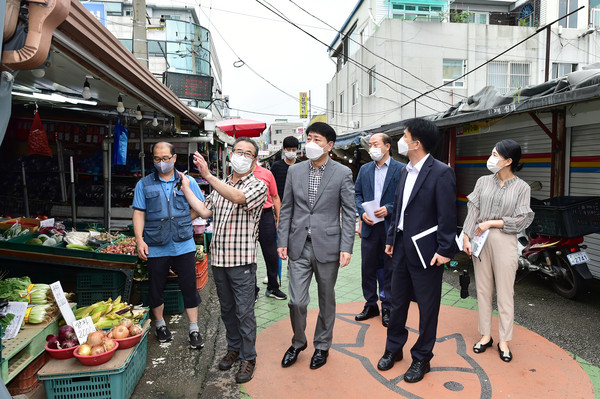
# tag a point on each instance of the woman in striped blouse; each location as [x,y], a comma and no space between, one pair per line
[499,203]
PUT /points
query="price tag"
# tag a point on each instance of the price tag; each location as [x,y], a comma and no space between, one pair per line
[47,223]
[62,303]
[83,328]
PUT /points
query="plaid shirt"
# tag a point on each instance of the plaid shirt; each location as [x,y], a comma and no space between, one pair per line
[314,180]
[235,226]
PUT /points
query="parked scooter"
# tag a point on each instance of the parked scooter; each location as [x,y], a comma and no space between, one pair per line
[553,245]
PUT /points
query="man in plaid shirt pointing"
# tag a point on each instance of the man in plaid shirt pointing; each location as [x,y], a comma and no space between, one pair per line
[235,206]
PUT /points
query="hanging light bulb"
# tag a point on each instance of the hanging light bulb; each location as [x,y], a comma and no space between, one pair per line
[138,114]
[155,120]
[86,92]
[120,106]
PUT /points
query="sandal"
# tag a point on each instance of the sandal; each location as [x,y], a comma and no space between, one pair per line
[505,356]
[480,348]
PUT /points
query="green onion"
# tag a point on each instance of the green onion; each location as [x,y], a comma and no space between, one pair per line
[39,313]
[39,294]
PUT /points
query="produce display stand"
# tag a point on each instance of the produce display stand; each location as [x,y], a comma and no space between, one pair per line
[115,379]
[25,347]
[126,268]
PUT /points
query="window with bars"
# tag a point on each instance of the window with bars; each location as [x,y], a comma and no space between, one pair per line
[508,75]
[354,93]
[341,102]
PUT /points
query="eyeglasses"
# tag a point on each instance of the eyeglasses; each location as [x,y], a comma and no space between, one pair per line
[247,154]
[163,159]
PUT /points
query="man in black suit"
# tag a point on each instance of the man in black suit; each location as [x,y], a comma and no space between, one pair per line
[425,200]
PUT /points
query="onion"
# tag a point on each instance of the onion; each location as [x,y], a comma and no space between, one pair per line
[53,342]
[109,335]
[109,344]
[66,332]
[69,343]
[120,332]
[135,329]
[84,350]
[95,338]
[126,322]
[97,349]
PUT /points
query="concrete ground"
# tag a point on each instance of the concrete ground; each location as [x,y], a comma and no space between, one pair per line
[175,371]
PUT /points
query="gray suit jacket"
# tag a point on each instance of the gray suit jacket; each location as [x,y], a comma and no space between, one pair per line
[331,232]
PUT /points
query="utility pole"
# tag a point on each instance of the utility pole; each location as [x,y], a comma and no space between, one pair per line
[140,48]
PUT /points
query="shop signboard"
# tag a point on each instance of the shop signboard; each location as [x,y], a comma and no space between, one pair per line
[303,105]
[196,87]
[99,11]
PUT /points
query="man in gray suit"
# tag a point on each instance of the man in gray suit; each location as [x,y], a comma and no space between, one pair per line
[312,235]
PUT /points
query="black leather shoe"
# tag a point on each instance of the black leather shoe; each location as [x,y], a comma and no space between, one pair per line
[416,371]
[367,313]
[388,359]
[385,317]
[480,348]
[506,356]
[319,358]
[291,355]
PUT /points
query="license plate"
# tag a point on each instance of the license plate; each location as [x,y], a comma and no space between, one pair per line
[578,257]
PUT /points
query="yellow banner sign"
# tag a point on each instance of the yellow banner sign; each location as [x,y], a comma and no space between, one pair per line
[303,105]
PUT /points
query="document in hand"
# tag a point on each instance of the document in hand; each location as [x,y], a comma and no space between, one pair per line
[418,240]
[369,208]
[476,242]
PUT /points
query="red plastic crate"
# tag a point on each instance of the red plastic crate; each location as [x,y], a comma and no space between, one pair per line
[201,273]
[26,381]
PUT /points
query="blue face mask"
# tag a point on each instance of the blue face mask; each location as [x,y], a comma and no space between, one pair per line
[164,167]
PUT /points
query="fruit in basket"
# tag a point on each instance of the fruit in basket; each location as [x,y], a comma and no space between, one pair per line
[66,332]
[135,329]
[84,350]
[69,343]
[53,341]
[96,350]
[120,332]
[109,344]
[126,322]
[95,338]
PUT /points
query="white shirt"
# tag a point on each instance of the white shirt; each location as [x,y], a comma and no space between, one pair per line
[411,179]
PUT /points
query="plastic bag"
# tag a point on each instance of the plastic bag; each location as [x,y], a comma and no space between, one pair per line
[120,144]
[38,139]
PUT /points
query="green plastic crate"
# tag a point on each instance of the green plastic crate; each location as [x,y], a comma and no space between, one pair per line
[172,296]
[89,297]
[107,384]
[100,280]
[77,253]
[114,257]
[19,244]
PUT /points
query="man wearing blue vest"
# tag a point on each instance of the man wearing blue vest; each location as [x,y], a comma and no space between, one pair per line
[162,225]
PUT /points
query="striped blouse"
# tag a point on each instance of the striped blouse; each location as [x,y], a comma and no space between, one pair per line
[490,201]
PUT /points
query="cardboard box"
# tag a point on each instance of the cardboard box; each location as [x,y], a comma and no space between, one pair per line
[32,224]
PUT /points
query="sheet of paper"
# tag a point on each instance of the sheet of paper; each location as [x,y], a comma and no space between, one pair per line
[416,238]
[477,242]
[369,208]
[18,309]
[61,301]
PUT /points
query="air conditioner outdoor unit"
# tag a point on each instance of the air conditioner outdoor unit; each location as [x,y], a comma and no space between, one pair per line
[354,124]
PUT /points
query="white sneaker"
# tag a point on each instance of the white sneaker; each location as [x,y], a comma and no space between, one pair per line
[266,280]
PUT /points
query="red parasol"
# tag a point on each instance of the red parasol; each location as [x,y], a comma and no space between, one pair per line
[242,127]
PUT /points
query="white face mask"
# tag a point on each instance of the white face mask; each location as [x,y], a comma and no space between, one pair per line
[164,167]
[403,147]
[289,155]
[240,163]
[313,151]
[376,154]
[492,164]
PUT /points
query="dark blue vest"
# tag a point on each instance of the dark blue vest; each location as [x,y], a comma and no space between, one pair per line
[166,218]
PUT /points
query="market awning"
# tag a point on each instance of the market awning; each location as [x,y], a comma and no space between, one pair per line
[242,127]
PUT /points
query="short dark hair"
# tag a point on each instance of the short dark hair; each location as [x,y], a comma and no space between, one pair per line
[290,142]
[423,130]
[323,129]
[510,149]
[247,140]
[170,146]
